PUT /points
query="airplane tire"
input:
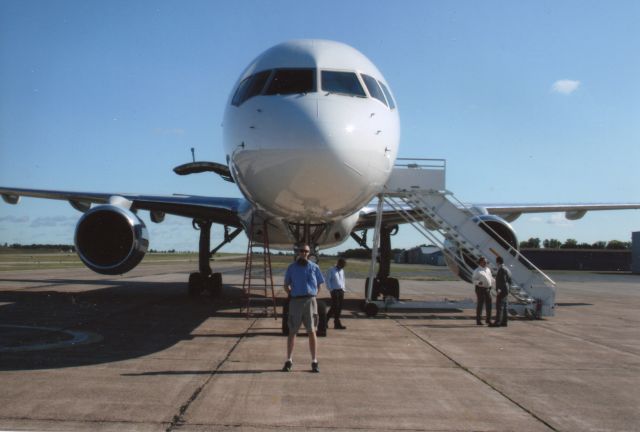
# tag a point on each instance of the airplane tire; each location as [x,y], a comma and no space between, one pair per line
[196,284]
[375,289]
[216,284]
[392,288]
[213,284]
[371,309]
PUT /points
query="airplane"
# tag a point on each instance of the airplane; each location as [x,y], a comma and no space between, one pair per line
[311,134]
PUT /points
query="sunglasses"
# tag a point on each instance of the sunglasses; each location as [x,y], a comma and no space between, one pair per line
[304,251]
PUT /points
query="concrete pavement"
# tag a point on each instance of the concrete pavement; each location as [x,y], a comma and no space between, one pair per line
[155,360]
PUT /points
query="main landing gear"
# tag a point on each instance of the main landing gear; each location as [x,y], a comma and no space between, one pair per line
[206,279]
[383,285]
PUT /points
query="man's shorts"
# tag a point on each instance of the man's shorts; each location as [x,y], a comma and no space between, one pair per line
[302,310]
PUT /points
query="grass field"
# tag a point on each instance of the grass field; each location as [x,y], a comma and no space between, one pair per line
[24,259]
[41,259]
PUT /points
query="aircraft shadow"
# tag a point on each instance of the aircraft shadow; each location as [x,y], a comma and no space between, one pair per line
[130,318]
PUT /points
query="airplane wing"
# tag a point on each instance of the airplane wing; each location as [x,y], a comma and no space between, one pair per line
[571,211]
[508,212]
[219,210]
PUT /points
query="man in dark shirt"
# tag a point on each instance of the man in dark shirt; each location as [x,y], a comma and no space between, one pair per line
[503,283]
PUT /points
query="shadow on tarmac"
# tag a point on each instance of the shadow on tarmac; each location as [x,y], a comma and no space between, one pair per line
[133,318]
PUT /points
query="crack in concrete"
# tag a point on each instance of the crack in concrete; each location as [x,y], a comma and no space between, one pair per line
[470,372]
[178,418]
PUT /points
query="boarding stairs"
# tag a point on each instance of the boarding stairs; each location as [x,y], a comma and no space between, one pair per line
[416,192]
[259,297]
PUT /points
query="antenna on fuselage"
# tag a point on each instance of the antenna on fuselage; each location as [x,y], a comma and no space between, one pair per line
[193,154]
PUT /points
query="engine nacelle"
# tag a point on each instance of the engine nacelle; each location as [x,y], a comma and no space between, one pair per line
[496,227]
[111,240]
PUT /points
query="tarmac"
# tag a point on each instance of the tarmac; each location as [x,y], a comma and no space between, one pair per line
[81,351]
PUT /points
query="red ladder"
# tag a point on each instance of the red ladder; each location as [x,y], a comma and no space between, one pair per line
[256,295]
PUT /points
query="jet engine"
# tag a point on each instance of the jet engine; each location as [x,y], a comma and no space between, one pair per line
[111,240]
[496,227]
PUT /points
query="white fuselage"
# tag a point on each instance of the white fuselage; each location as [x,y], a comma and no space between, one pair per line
[317,149]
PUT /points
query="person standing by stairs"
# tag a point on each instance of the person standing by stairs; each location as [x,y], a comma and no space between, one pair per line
[503,282]
[482,281]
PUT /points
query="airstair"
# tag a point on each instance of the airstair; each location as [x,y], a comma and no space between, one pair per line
[416,192]
[257,287]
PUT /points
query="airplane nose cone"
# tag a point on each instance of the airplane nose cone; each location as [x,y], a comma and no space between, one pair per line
[300,163]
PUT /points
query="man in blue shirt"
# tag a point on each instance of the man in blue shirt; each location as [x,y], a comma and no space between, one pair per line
[302,281]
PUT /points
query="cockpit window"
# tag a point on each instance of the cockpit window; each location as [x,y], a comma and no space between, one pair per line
[292,81]
[342,82]
[387,93]
[374,88]
[250,87]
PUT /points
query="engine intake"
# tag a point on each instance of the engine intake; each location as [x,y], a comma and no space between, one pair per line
[111,240]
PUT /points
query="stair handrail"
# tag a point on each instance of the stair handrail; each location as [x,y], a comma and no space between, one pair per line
[421,163]
[511,248]
[414,222]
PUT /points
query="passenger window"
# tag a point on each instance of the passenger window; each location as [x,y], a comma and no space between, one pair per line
[387,93]
[292,81]
[374,88]
[250,87]
[343,83]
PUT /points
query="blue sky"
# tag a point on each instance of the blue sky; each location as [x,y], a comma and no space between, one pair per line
[528,101]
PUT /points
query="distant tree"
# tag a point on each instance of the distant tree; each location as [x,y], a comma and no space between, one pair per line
[551,244]
[570,244]
[599,245]
[33,246]
[356,253]
[532,243]
[617,244]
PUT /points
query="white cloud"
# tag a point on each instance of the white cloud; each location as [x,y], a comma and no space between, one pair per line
[555,219]
[54,221]
[14,219]
[565,86]
[558,219]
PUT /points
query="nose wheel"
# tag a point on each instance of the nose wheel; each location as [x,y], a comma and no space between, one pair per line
[198,283]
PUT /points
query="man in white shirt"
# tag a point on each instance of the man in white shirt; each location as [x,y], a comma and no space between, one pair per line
[482,281]
[336,285]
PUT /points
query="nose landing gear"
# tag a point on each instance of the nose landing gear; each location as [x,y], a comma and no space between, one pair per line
[198,283]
